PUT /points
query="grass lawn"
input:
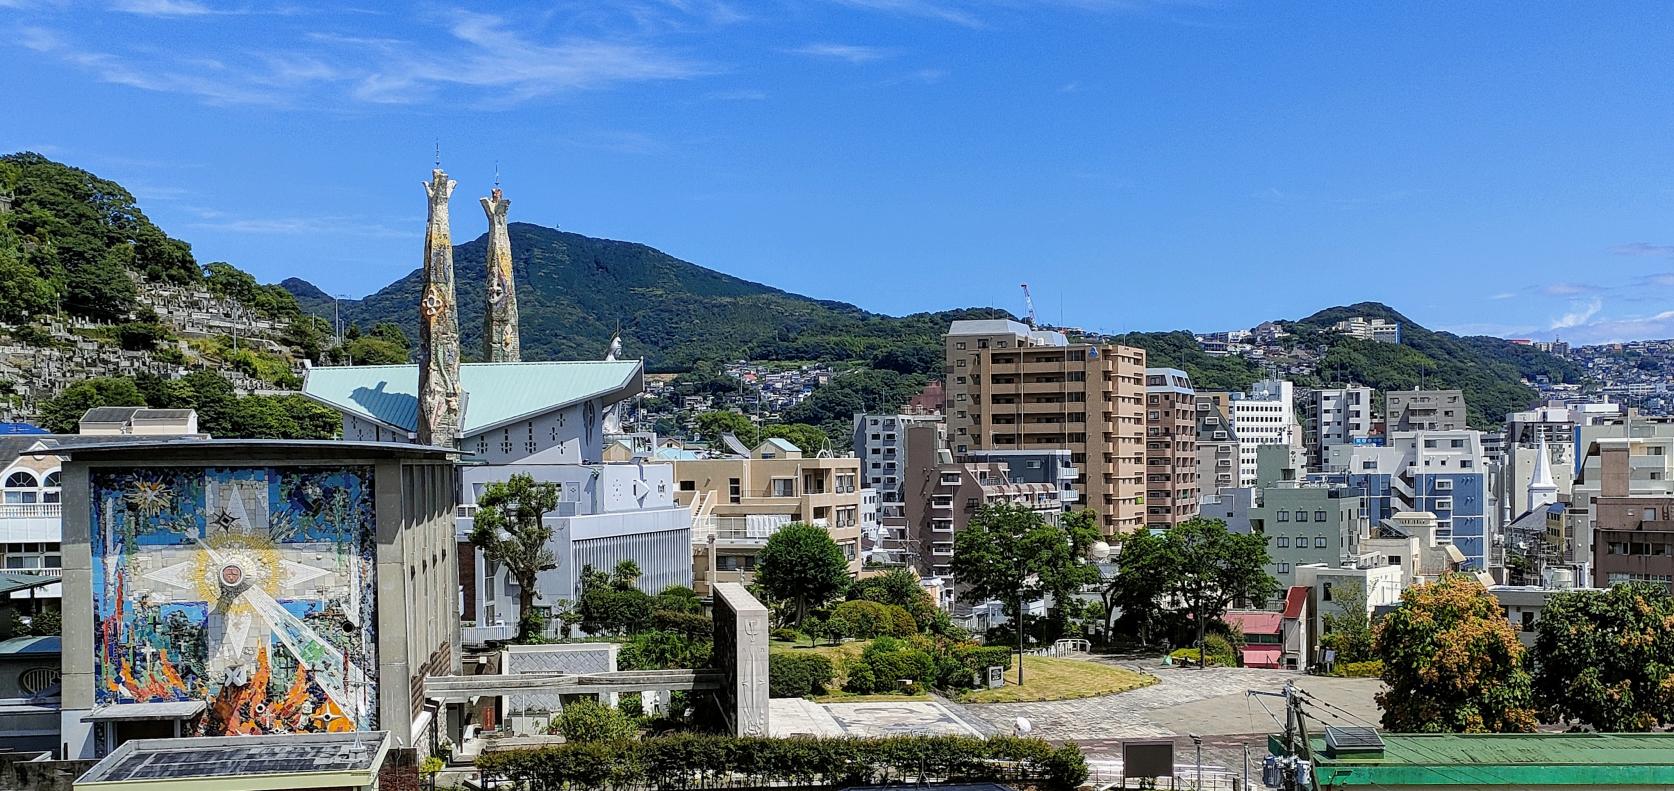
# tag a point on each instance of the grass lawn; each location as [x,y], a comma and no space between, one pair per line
[1046,678]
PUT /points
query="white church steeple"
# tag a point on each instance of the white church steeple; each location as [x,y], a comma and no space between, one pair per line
[1542,490]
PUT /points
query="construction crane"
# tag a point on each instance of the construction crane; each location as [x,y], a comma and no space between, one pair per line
[1029,303]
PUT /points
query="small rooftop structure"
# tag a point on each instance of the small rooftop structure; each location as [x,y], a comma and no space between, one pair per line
[107,420]
[257,763]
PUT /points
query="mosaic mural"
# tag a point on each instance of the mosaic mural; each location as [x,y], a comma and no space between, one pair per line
[251,589]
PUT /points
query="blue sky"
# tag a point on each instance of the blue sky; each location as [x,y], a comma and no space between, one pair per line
[1502,168]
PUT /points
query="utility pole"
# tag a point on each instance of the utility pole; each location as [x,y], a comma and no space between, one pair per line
[1020,638]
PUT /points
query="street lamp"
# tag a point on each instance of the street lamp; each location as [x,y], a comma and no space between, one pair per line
[1198,742]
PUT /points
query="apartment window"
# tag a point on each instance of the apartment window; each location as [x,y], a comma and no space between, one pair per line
[688,486]
[21,488]
[1444,485]
[1444,504]
[1319,542]
[1319,516]
[1284,568]
[1301,516]
[1458,443]
[1284,516]
[733,492]
[959,363]
[961,449]
[960,345]
[1282,542]
[959,397]
[1325,591]
[784,487]
[1650,515]
[1466,464]
[1429,443]
[960,380]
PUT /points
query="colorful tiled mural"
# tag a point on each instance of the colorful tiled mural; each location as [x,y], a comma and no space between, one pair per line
[251,589]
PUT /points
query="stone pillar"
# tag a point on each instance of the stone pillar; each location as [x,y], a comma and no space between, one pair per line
[741,655]
[499,327]
[438,407]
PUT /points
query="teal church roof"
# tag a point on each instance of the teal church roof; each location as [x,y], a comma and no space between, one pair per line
[495,393]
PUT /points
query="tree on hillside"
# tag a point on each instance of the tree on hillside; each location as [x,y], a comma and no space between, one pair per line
[1213,567]
[1605,659]
[62,413]
[510,531]
[1012,554]
[712,425]
[1452,663]
[803,565]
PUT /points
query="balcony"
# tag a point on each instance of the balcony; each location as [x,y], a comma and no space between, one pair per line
[22,523]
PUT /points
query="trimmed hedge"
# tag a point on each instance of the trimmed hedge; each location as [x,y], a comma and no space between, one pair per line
[798,675]
[1369,669]
[966,666]
[887,662]
[686,761]
[868,619]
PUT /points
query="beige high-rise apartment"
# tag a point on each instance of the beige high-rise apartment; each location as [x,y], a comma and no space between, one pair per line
[738,503]
[1171,485]
[1010,387]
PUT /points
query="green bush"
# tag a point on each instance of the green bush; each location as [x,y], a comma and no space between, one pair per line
[1371,669]
[784,635]
[589,721]
[691,624]
[886,663]
[864,619]
[965,666]
[1220,650]
[797,675]
[709,761]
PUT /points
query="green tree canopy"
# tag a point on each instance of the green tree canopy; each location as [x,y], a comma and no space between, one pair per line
[713,425]
[510,531]
[62,413]
[1012,554]
[801,564]
[1452,663]
[1605,659]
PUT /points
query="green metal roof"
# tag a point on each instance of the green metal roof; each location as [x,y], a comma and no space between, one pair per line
[1487,760]
[495,393]
[19,581]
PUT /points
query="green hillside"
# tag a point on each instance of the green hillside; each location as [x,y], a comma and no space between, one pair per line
[573,291]
[1488,370]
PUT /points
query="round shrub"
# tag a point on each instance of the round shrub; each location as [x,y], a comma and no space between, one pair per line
[797,675]
[865,619]
[588,721]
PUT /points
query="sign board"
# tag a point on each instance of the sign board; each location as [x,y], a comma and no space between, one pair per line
[1148,758]
[996,676]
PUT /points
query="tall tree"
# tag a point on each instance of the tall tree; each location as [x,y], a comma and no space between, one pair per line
[1452,663]
[1144,573]
[1012,554]
[802,565]
[1605,659]
[712,425]
[1213,567]
[509,529]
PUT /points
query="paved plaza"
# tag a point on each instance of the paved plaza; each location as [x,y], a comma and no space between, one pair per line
[796,716]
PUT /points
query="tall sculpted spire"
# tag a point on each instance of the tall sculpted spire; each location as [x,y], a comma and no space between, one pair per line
[438,407]
[499,329]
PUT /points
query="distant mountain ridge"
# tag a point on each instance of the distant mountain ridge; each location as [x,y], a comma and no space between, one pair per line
[574,291]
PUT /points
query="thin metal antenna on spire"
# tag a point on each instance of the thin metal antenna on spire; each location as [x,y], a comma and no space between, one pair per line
[496,172]
[438,152]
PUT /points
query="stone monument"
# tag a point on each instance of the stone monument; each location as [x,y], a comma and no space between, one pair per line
[613,413]
[499,328]
[438,402]
[741,657]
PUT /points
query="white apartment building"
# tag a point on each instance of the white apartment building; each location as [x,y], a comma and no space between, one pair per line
[880,442]
[1263,416]
[1335,416]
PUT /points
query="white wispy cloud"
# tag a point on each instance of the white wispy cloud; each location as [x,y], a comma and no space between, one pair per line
[1503,295]
[339,225]
[1579,313]
[164,8]
[956,13]
[492,54]
[1645,249]
[853,53]
[738,95]
[1567,289]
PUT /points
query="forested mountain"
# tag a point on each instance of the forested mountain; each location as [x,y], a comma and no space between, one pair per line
[574,291]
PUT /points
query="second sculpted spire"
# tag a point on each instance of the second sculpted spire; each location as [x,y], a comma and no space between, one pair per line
[499,327]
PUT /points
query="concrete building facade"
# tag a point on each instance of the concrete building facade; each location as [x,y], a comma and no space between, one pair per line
[1424,410]
[1015,388]
[1335,416]
[1171,482]
[1263,416]
[1217,446]
[738,503]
